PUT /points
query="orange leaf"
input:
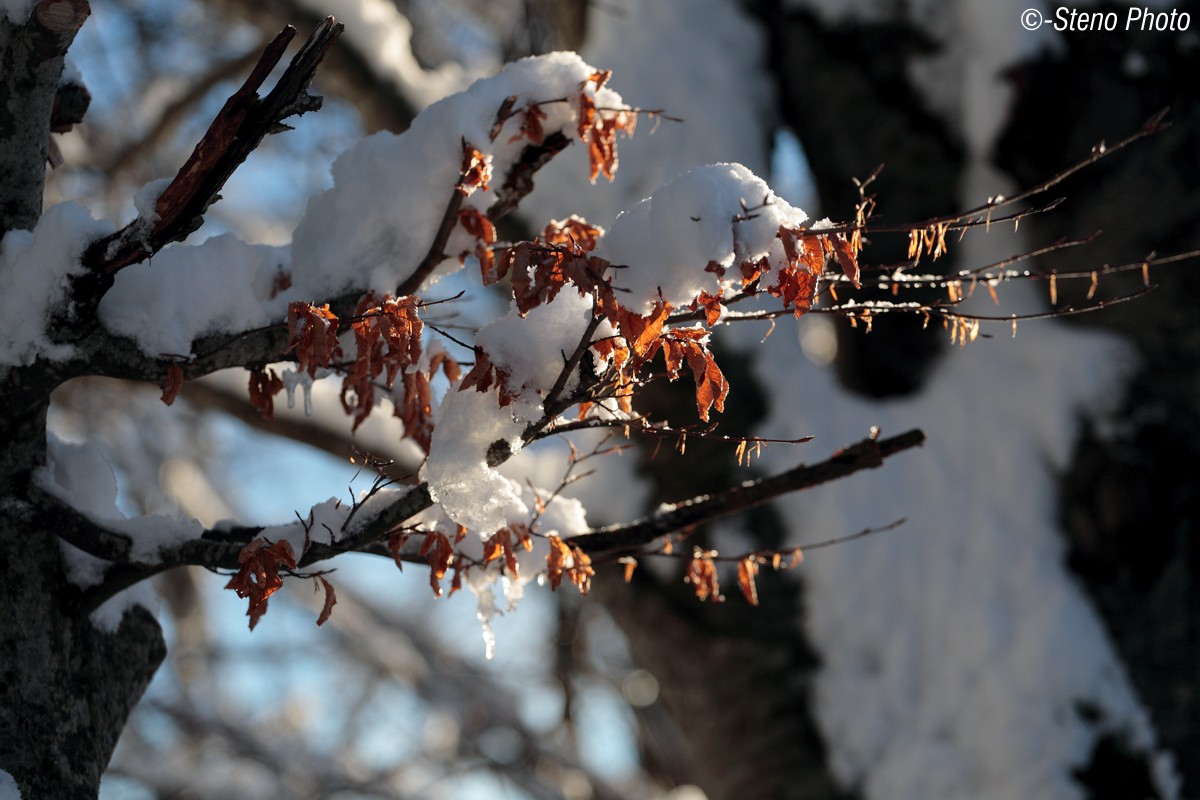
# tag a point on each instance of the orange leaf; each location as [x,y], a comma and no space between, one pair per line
[258,577]
[599,77]
[846,257]
[330,601]
[531,124]
[479,226]
[630,565]
[641,333]
[387,341]
[483,375]
[173,383]
[493,547]
[415,409]
[264,385]
[711,303]
[747,570]
[568,561]
[796,287]
[574,231]
[702,575]
[687,344]
[395,546]
[501,544]
[753,270]
[476,171]
[438,552]
[598,130]
[313,331]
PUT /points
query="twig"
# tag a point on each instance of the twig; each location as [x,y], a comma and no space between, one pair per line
[1153,125]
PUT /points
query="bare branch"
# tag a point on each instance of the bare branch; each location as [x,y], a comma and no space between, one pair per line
[867,454]
[519,182]
[982,213]
[174,113]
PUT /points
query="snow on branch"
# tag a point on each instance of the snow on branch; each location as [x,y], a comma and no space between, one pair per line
[218,304]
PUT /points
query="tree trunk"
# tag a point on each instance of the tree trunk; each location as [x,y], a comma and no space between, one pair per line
[66,687]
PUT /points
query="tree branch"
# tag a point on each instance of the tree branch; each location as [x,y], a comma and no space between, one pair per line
[78,530]
[173,114]
[437,249]
[219,548]
[216,548]
[235,132]
[867,454]
[519,182]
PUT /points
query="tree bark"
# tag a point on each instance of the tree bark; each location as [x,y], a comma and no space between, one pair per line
[32,55]
[66,687]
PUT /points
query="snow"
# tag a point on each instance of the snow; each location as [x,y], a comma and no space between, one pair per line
[666,241]
[187,291]
[35,267]
[80,475]
[390,192]
[110,613]
[370,230]
[291,379]
[956,647]
[71,74]
[469,491]
[145,199]
[324,523]
[18,12]
[8,787]
[563,517]
[533,349]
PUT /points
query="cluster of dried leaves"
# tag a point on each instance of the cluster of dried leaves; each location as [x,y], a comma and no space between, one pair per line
[388,346]
[563,561]
[259,577]
[562,255]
